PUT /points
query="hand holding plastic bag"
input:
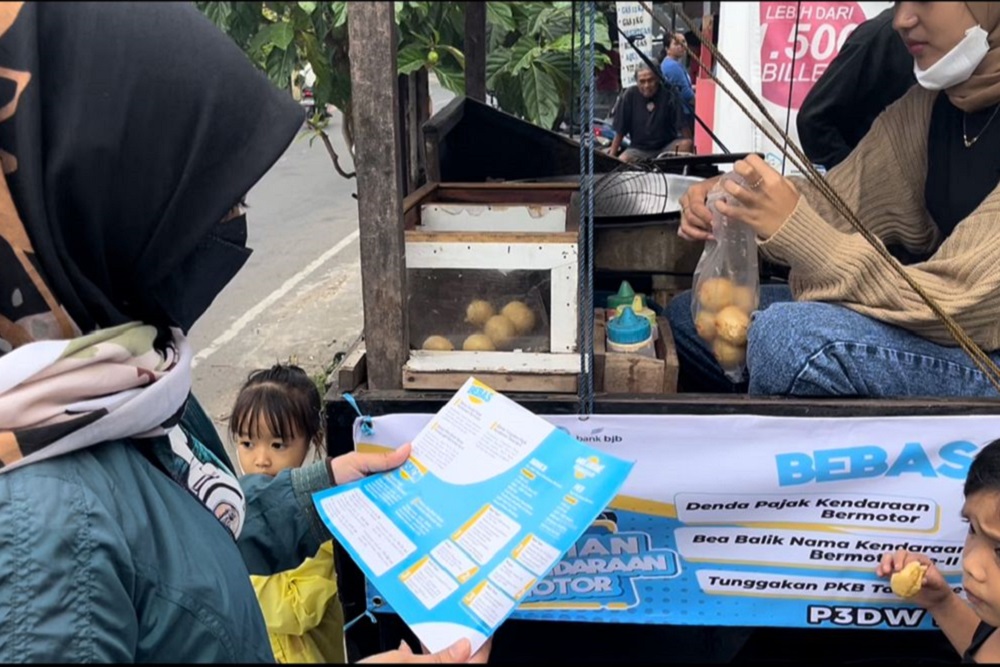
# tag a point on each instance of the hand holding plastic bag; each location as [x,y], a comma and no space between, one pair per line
[726,286]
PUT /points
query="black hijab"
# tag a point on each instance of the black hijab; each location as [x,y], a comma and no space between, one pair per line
[123,155]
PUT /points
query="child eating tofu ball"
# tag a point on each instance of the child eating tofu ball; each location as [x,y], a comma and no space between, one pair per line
[969,626]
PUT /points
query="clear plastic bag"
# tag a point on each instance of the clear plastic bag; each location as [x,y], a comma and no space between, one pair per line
[726,286]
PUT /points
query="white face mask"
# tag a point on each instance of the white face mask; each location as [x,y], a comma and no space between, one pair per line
[958,64]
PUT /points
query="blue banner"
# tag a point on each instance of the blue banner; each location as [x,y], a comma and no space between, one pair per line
[721,514]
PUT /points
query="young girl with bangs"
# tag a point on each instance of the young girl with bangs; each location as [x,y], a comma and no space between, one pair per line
[275,422]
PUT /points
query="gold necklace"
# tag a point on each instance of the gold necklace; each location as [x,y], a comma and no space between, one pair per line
[965,135]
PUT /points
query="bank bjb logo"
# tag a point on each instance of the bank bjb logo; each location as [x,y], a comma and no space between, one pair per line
[587,467]
[479,394]
[595,436]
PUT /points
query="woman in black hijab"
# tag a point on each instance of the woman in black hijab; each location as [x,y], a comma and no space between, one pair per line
[128,135]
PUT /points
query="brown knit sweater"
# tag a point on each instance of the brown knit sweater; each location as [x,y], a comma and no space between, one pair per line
[883,182]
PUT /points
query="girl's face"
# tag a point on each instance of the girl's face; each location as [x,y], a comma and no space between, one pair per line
[981,556]
[268,454]
[932,29]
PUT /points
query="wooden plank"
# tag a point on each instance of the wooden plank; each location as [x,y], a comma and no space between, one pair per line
[496,194]
[417,236]
[600,351]
[412,203]
[475,50]
[414,200]
[493,218]
[488,251]
[381,402]
[410,124]
[569,187]
[506,197]
[626,373]
[504,382]
[506,193]
[564,306]
[414,105]
[372,42]
[638,374]
[434,130]
[422,106]
[352,368]
[653,249]
[461,250]
[520,363]
[441,123]
[432,158]
[666,287]
[668,352]
[411,219]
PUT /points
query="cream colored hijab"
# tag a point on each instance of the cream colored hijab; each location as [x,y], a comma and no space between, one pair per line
[982,90]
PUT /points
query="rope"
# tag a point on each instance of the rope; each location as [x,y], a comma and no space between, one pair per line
[365,614]
[366,421]
[589,294]
[585,259]
[798,159]
[791,83]
[581,237]
[573,111]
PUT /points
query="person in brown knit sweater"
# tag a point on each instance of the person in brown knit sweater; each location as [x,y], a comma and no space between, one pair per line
[925,178]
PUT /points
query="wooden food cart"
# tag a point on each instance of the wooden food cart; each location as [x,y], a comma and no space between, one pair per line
[386,375]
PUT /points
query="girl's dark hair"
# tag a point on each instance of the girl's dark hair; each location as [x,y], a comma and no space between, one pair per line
[286,398]
[984,473]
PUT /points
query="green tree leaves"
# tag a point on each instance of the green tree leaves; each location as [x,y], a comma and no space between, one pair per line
[530,62]
[529,49]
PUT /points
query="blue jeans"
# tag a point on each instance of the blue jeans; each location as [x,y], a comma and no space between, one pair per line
[808,348]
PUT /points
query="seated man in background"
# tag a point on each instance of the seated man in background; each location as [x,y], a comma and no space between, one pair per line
[653,119]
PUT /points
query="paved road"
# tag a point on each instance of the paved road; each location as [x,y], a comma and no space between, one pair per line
[299,294]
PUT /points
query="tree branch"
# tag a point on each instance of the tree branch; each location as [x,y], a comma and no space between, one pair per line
[333,155]
[347,130]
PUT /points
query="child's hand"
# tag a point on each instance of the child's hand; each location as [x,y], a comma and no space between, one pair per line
[355,465]
[934,590]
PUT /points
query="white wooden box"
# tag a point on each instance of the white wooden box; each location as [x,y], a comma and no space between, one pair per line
[495,242]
